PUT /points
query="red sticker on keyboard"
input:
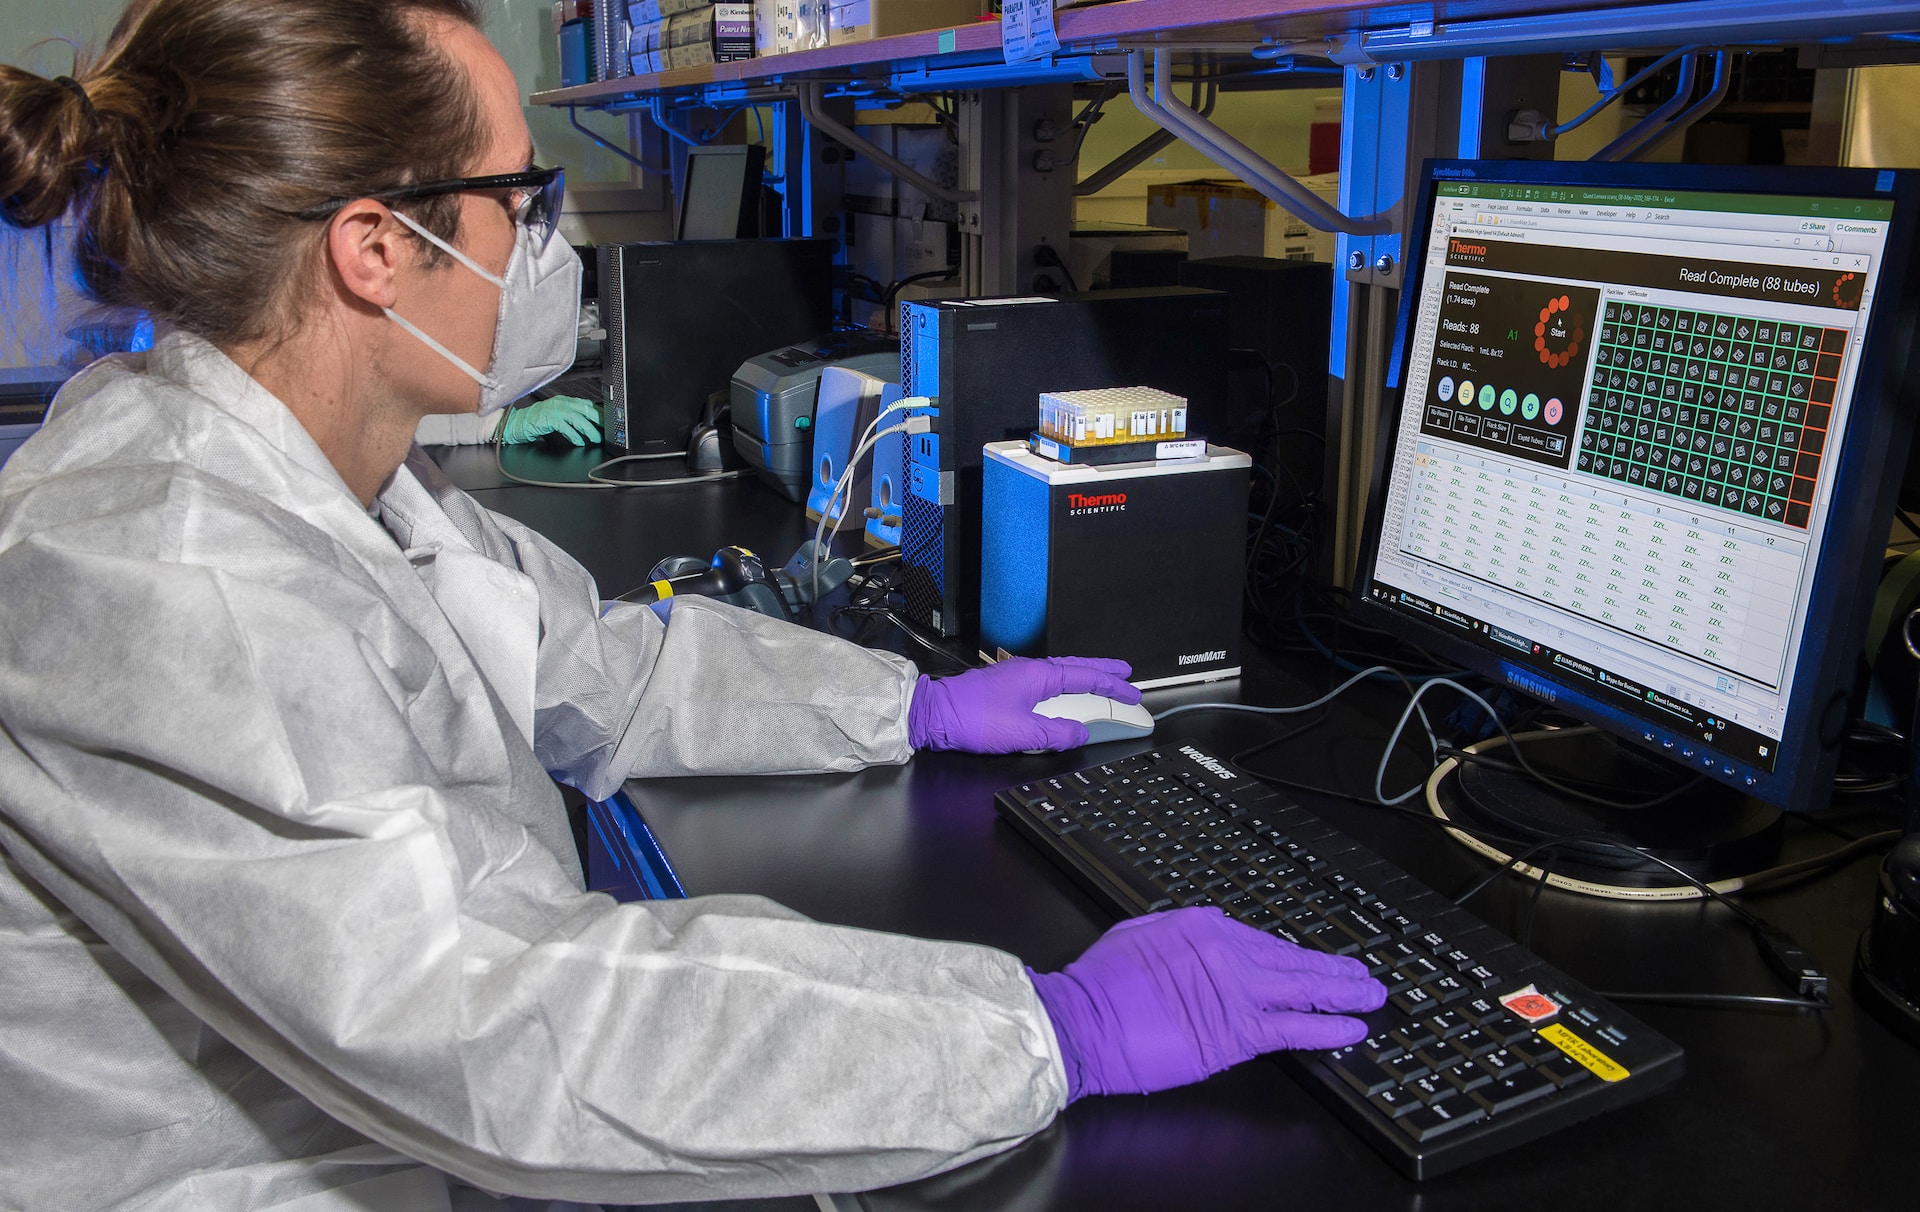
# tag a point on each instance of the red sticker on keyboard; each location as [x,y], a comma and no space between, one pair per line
[1531,1004]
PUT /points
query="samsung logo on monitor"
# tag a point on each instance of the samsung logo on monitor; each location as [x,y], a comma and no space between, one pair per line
[1533,686]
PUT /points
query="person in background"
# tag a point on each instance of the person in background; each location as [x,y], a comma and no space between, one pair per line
[290,912]
[571,418]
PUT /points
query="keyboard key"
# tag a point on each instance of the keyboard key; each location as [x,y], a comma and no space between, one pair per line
[1420,970]
[1471,1043]
[1504,1028]
[1381,1047]
[1395,1103]
[1440,1058]
[1467,1078]
[1446,1024]
[1361,1072]
[1413,1036]
[1515,1090]
[1303,857]
[1435,942]
[1449,988]
[1408,1067]
[1029,794]
[1310,926]
[1362,929]
[1563,1071]
[1431,1089]
[1500,1063]
[1413,1000]
[1425,1123]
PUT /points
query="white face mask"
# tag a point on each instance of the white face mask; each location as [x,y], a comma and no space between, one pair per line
[537,332]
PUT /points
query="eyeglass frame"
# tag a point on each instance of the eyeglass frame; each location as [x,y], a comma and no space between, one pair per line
[537,185]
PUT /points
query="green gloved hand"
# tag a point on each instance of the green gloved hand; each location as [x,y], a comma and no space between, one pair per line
[573,418]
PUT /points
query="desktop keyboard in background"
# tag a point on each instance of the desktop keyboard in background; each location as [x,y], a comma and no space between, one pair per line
[1481,1045]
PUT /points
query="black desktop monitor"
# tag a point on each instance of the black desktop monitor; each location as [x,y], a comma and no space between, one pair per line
[1650,424]
[720,192]
[682,316]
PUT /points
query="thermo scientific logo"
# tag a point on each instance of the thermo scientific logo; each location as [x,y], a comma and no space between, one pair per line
[1201,658]
[1079,503]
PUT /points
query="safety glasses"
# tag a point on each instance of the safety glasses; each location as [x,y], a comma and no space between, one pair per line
[536,206]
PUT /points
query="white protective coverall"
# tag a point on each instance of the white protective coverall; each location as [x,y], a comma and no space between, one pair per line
[289,905]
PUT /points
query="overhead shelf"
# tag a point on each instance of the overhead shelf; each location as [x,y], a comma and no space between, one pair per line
[1351,33]
[1199,23]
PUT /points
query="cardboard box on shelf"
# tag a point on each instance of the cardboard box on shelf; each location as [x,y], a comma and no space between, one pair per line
[860,20]
[922,148]
[1227,218]
[715,33]
[640,12]
[776,25]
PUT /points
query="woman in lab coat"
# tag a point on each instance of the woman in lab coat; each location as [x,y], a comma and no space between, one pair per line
[290,914]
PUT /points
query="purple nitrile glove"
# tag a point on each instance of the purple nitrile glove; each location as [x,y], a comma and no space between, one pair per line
[1167,999]
[990,710]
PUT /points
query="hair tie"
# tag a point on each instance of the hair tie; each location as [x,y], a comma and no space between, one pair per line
[86,102]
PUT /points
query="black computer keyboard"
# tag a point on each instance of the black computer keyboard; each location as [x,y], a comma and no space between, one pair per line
[1481,1045]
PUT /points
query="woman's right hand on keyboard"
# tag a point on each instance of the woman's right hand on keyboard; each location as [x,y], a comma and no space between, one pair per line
[1167,999]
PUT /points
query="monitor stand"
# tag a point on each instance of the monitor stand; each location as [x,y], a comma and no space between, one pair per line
[1711,831]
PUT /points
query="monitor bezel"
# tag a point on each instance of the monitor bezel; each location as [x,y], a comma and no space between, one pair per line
[1873,452]
[753,167]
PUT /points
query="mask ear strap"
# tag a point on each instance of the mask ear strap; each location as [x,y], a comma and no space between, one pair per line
[450,250]
[438,348]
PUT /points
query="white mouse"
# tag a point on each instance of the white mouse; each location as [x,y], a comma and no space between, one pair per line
[1106,719]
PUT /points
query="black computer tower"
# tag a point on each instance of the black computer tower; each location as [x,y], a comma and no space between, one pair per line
[681,316]
[985,363]
[1283,310]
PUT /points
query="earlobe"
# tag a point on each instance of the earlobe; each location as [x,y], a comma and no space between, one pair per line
[365,250]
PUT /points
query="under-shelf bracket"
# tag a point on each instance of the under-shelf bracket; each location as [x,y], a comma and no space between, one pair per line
[1164,109]
[1670,118]
[1140,152]
[810,93]
[573,118]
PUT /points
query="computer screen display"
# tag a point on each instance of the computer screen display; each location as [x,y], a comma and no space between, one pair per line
[1640,465]
[719,194]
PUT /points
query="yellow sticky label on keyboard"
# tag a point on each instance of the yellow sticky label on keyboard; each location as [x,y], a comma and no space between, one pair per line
[1601,1065]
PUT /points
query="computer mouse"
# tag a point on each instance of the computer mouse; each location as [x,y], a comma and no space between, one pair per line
[1106,719]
